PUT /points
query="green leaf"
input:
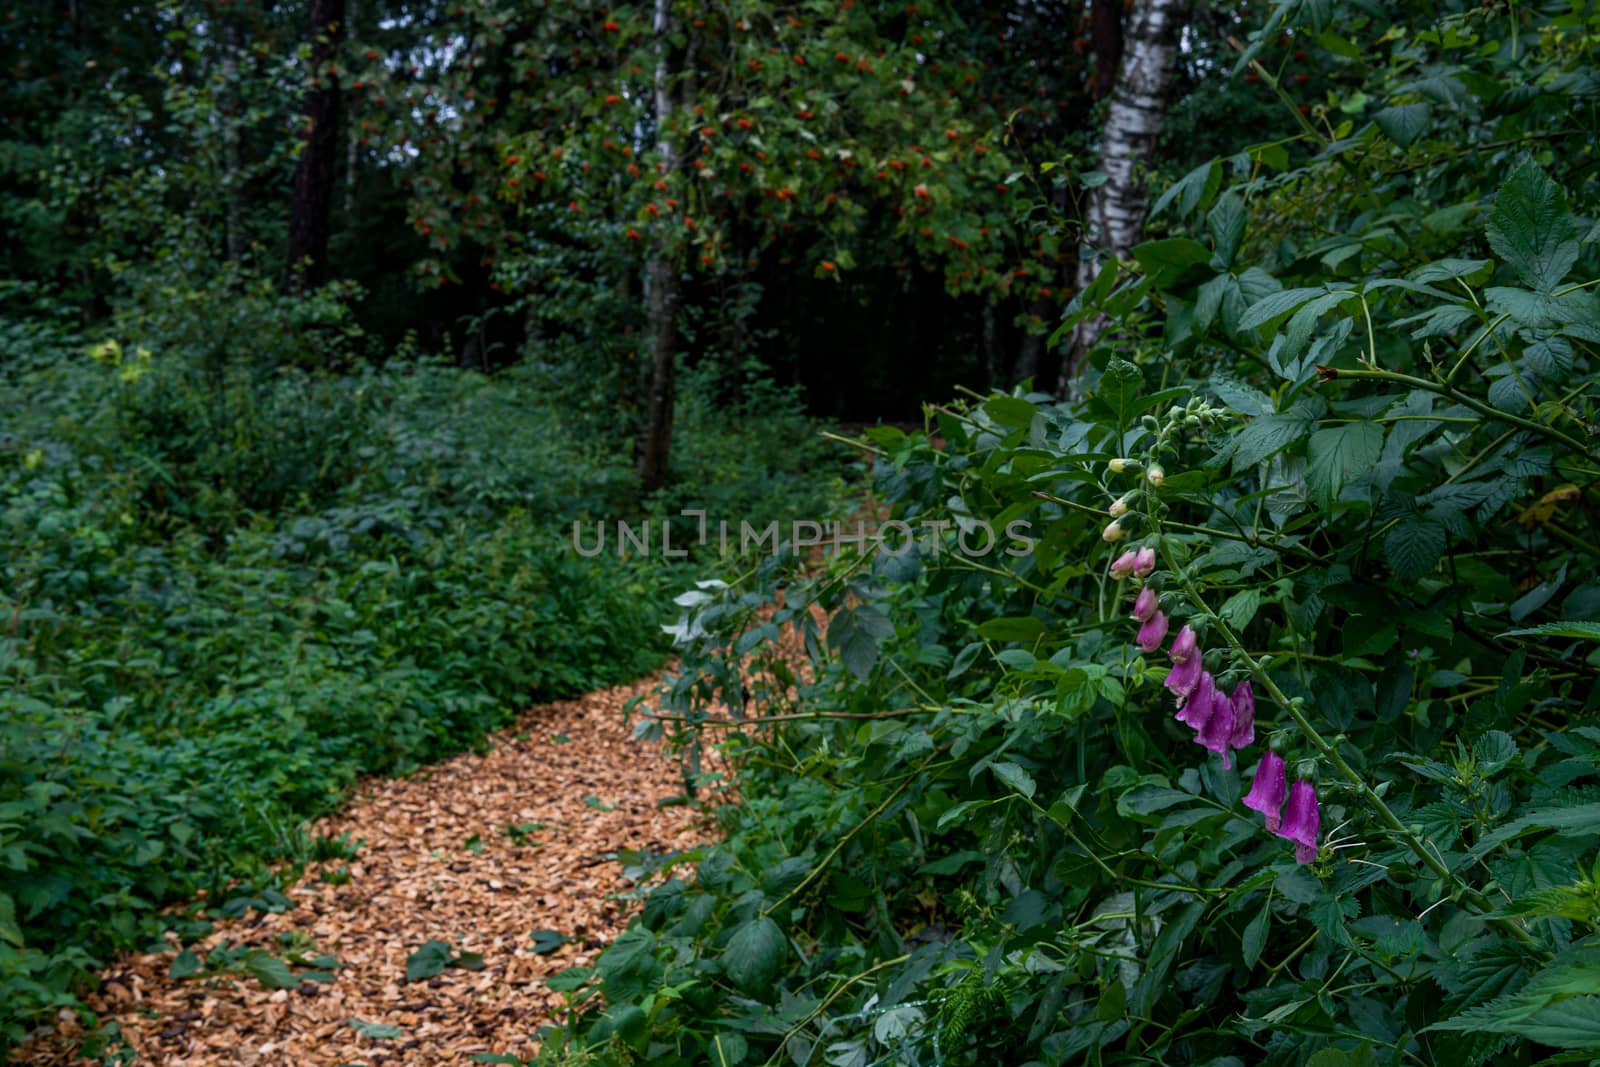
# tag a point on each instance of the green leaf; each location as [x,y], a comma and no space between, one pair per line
[1011,628]
[1531,229]
[1165,261]
[1227,224]
[1015,777]
[1276,304]
[1119,390]
[1241,607]
[1240,396]
[270,971]
[1339,455]
[1265,436]
[428,961]
[1255,935]
[1193,191]
[1589,631]
[185,964]
[546,941]
[727,1049]
[1414,546]
[755,954]
[376,1031]
[1403,123]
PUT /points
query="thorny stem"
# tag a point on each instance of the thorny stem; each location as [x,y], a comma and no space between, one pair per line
[1446,390]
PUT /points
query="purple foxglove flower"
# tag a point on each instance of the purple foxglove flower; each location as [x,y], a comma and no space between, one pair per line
[1244,715]
[1153,632]
[1122,566]
[1184,646]
[1144,561]
[1183,677]
[1216,733]
[1301,821]
[1266,792]
[1145,604]
[1197,707]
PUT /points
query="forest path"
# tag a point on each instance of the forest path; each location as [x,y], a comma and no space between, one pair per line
[438,864]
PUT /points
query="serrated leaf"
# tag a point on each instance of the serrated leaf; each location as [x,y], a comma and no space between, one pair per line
[270,971]
[428,961]
[1015,777]
[185,964]
[1403,123]
[727,1049]
[1530,227]
[1254,938]
[1589,631]
[1414,546]
[1240,396]
[755,954]
[1264,436]
[1119,390]
[1273,305]
[1339,455]
[546,941]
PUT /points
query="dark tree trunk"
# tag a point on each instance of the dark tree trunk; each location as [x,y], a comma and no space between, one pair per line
[311,213]
[233,112]
[1105,32]
[662,277]
[1116,208]
[657,442]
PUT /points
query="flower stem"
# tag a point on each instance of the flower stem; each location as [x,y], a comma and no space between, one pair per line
[1429,858]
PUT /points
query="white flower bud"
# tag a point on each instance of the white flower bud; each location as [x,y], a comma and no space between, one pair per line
[1113,532]
[1119,507]
[1157,476]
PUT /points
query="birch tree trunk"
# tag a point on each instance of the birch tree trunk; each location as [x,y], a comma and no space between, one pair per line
[1116,209]
[661,276]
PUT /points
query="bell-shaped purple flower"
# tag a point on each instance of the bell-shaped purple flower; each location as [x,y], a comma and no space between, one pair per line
[1266,792]
[1145,604]
[1244,715]
[1123,565]
[1302,821]
[1198,705]
[1153,632]
[1183,677]
[1186,665]
[1216,733]
[1144,561]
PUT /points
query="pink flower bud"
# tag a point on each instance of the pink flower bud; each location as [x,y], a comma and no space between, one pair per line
[1144,561]
[1184,646]
[1123,565]
[1145,604]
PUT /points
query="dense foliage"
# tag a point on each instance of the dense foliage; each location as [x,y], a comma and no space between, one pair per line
[1337,455]
[229,589]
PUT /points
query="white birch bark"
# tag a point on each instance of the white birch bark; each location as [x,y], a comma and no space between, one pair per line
[1138,110]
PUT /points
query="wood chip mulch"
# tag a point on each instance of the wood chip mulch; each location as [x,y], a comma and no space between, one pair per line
[437,863]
